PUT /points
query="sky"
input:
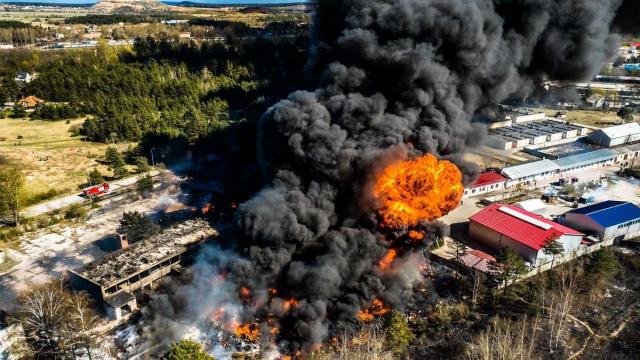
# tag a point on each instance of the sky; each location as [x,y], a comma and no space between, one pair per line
[196,1]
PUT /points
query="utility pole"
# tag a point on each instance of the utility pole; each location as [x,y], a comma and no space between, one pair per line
[153,164]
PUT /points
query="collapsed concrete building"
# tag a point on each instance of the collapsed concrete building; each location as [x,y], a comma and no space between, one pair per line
[112,280]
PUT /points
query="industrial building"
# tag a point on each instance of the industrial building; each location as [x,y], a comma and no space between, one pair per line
[616,135]
[586,160]
[531,171]
[112,281]
[487,182]
[499,226]
[534,134]
[627,154]
[609,220]
[567,164]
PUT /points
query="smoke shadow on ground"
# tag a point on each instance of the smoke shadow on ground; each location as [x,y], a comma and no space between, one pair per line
[8,296]
[107,244]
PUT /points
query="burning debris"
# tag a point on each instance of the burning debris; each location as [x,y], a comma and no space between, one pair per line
[373,156]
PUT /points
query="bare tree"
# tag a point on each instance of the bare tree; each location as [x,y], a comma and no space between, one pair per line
[477,288]
[83,320]
[43,315]
[55,320]
[505,340]
[561,302]
[368,344]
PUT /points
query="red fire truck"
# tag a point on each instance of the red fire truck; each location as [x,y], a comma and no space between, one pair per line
[96,190]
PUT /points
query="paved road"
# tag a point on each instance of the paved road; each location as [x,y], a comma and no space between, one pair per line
[63,202]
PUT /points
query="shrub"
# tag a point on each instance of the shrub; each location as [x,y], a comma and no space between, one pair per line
[75,211]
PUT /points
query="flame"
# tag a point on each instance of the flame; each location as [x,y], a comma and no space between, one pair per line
[289,304]
[376,309]
[415,190]
[386,261]
[245,292]
[249,332]
[273,291]
[415,235]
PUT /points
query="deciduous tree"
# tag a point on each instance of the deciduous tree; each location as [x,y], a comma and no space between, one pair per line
[399,336]
[186,350]
[11,193]
[54,320]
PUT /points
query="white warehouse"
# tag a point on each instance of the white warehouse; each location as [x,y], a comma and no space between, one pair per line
[616,135]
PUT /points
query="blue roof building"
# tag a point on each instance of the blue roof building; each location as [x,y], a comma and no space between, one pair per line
[618,220]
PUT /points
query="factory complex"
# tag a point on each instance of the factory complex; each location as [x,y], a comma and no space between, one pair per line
[617,145]
[524,205]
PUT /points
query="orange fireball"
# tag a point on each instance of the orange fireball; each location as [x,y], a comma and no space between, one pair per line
[415,190]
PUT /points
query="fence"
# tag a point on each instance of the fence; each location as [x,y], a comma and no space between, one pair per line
[568,257]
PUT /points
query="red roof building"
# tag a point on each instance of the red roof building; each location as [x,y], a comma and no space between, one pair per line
[477,260]
[499,226]
[486,182]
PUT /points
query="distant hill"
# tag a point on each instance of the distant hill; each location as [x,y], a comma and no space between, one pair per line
[109,5]
[236,3]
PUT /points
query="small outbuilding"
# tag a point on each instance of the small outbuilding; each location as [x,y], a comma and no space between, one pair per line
[487,182]
[609,220]
[535,206]
[499,226]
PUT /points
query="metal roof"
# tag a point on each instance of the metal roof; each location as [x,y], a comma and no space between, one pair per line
[520,225]
[610,213]
[621,130]
[586,158]
[530,169]
[488,178]
[534,129]
[531,205]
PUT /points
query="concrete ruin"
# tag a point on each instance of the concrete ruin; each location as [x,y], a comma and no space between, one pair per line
[113,280]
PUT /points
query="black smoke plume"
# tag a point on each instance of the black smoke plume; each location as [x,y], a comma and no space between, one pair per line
[397,78]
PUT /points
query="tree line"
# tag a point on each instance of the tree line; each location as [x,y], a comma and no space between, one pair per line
[164,87]
[120,18]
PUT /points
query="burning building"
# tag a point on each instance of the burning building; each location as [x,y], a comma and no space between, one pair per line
[112,280]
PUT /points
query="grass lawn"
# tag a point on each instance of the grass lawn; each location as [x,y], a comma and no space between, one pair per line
[50,157]
[38,14]
[251,19]
[592,118]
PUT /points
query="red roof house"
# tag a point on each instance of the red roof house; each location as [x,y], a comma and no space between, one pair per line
[486,182]
[499,226]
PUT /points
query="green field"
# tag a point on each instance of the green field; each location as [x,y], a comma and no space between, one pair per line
[49,16]
[52,160]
